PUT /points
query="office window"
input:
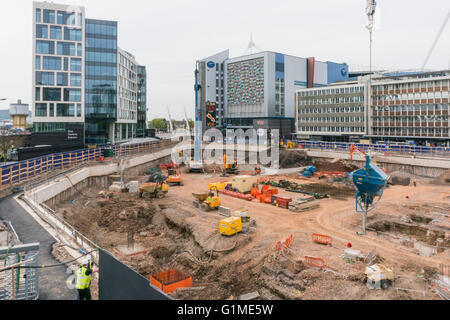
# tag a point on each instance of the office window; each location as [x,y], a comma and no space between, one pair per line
[38,15]
[72,34]
[72,95]
[79,49]
[75,64]
[66,64]
[66,48]
[51,94]
[75,79]
[78,110]
[80,19]
[62,79]
[38,93]
[41,110]
[51,110]
[41,31]
[55,33]
[51,63]
[45,78]
[38,62]
[45,47]
[65,110]
[49,16]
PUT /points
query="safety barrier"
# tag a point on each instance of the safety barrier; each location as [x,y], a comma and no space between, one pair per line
[322,239]
[19,172]
[171,280]
[280,246]
[315,262]
[382,148]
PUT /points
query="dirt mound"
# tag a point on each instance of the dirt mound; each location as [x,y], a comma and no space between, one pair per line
[293,159]
[443,178]
[336,192]
[336,165]
[121,216]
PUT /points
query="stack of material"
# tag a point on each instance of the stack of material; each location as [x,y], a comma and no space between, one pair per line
[133,186]
[401,178]
[116,187]
[302,205]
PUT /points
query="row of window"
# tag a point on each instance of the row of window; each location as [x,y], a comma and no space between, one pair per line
[330,110]
[55,94]
[332,119]
[62,110]
[101,43]
[63,48]
[410,131]
[58,63]
[101,56]
[413,107]
[101,29]
[97,70]
[431,118]
[315,92]
[353,99]
[411,96]
[62,17]
[331,129]
[101,98]
[56,33]
[48,79]
[411,85]
[103,85]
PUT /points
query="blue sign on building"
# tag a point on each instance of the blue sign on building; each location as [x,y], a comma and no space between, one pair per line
[211,64]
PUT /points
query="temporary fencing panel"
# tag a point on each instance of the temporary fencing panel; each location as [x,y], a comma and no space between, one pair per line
[171,280]
[119,282]
[315,262]
[322,239]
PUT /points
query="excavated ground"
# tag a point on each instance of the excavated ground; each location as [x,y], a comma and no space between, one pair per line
[171,233]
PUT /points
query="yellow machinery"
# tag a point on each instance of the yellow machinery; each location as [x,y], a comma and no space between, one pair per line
[207,201]
[230,226]
[230,168]
[379,276]
[218,185]
[157,190]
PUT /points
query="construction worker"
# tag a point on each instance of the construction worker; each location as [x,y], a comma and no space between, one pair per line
[84,275]
[414,181]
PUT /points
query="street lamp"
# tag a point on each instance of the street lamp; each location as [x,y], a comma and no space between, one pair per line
[370,11]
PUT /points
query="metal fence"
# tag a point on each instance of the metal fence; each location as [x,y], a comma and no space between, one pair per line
[443,152]
[17,282]
[22,171]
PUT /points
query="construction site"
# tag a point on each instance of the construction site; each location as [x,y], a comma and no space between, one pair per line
[243,232]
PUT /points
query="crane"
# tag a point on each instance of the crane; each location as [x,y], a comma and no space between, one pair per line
[170,121]
[197,164]
[353,149]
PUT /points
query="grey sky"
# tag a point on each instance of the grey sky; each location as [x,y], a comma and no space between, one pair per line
[168,36]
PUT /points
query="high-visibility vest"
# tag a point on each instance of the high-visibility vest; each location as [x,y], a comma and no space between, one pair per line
[83,280]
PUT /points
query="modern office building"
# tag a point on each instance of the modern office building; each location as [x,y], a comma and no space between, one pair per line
[81,79]
[395,107]
[257,90]
[141,101]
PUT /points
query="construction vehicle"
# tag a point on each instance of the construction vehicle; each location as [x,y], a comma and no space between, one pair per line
[207,201]
[309,171]
[378,276]
[370,183]
[353,149]
[230,226]
[243,214]
[156,189]
[230,168]
[174,176]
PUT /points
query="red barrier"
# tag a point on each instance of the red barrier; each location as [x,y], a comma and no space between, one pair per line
[285,244]
[237,195]
[315,262]
[322,239]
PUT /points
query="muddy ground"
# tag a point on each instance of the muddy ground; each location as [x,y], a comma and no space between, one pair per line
[170,233]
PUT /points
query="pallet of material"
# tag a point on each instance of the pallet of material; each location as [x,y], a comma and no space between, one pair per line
[302,206]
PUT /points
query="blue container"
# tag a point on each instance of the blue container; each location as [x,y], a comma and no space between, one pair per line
[370,182]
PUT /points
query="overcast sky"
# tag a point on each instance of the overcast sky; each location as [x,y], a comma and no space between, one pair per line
[168,37]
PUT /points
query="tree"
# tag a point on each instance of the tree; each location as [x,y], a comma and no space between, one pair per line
[191,124]
[157,124]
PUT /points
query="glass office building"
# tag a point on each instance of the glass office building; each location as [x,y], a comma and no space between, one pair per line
[100,80]
[76,75]
[141,102]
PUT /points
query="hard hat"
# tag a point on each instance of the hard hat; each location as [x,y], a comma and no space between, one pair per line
[84,260]
[89,257]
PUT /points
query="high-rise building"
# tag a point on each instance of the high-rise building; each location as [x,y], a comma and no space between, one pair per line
[257,90]
[141,101]
[81,78]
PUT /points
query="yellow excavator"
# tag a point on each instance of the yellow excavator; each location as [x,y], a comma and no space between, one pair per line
[230,168]
[207,201]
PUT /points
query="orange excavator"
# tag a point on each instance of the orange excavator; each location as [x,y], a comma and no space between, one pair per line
[174,176]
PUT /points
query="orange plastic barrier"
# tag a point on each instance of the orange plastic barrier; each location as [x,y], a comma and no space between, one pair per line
[315,262]
[285,244]
[171,280]
[322,239]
